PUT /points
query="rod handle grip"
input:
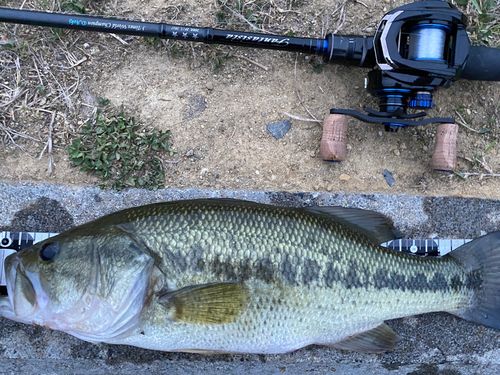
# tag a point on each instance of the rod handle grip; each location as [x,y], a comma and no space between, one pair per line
[444,157]
[333,145]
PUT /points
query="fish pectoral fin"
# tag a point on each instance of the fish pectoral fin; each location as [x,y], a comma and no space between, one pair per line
[215,303]
[377,227]
[377,340]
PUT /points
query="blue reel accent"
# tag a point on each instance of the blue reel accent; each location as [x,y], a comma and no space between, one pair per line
[421,100]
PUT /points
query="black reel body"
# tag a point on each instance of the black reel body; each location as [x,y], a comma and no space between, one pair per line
[418,48]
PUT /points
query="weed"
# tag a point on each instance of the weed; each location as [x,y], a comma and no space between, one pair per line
[19,46]
[243,12]
[57,33]
[72,5]
[317,66]
[484,25]
[221,17]
[155,42]
[465,119]
[175,51]
[113,148]
[461,175]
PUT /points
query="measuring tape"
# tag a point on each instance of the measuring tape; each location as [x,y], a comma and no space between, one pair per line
[11,242]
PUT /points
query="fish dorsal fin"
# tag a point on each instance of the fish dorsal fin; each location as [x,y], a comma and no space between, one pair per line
[216,303]
[377,340]
[377,227]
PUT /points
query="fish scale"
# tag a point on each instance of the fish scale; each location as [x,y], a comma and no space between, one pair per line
[340,287]
[232,276]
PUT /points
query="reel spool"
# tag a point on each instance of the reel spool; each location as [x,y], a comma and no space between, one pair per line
[427,42]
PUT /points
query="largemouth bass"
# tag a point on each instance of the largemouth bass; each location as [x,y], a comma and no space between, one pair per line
[225,276]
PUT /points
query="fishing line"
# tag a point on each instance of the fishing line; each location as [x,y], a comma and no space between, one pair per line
[427,42]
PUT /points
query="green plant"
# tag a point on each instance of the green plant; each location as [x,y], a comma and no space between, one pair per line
[72,5]
[19,46]
[113,148]
[175,51]
[155,42]
[317,67]
[465,119]
[484,24]
[221,17]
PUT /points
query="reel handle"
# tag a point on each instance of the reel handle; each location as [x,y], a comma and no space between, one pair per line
[444,157]
[334,140]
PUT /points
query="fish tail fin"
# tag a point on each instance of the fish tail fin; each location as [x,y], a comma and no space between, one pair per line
[481,259]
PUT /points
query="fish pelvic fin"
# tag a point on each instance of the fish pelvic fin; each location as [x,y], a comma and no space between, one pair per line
[216,303]
[481,260]
[377,340]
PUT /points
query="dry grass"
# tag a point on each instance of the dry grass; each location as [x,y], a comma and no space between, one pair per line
[41,69]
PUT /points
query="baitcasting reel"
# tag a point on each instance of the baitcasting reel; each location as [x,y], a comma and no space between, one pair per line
[417,48]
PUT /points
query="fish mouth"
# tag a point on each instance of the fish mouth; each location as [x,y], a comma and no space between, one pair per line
[22,289]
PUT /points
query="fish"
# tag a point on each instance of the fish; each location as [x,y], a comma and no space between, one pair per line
[229,276]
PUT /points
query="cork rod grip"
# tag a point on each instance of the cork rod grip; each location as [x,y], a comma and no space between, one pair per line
[445,153]
[333,143]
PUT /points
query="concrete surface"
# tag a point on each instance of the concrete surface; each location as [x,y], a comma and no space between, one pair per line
[432,344]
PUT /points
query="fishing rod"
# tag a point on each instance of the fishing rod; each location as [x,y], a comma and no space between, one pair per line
[417,48]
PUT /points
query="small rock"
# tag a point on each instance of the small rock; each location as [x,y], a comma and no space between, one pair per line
[425,148]
[195,106]
[397,153]
[403,146]
[344,177]
[312,154]
[190,153]
[279,129]
[380,133]
[210,86]
[203,171]
[162,96]
[388,177]
[330,187]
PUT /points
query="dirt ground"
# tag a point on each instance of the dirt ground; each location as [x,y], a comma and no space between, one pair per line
[217,100]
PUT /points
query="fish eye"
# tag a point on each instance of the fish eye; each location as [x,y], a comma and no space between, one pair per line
[49,251]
